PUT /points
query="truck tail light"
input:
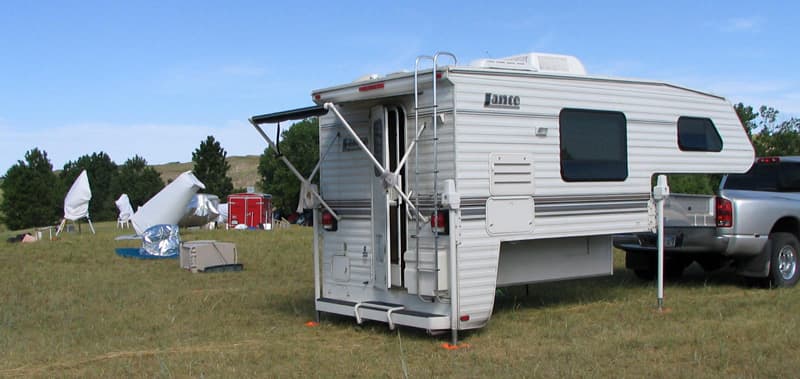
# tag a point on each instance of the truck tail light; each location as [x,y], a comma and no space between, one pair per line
[440,222]
[329,222]
[768,160]
[724,213]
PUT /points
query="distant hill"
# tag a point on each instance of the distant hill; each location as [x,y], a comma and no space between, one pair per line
[243,172]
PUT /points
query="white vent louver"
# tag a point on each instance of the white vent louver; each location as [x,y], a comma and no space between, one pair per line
[511,174]
[540,62]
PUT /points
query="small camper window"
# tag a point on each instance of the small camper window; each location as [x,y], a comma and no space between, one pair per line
[594,145]
[698,134]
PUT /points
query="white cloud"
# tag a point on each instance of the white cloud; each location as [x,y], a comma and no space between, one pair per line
[544,41]
[781,95]
[741,24]
[200,78]
[157,143]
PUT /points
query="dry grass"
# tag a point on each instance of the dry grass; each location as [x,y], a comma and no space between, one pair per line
[243,172]
[73,308]
[2,226]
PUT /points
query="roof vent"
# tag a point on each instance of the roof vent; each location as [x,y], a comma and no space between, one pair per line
[366,78]
[540,62]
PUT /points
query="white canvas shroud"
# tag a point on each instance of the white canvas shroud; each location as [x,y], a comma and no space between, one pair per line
[169,205]
[76,204]
[223,212]
[124,206]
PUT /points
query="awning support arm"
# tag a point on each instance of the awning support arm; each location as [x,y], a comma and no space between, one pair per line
[319,163]
[332,107]
[294,170]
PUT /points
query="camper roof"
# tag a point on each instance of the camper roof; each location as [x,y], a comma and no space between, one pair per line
[538,62]
[532,64]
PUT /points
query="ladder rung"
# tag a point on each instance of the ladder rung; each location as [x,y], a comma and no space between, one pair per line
[427,106]
[424,172]
[429,139]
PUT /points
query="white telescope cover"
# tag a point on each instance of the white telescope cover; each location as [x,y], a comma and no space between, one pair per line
[223,212]
[76,204]
[306,198]
[124,206]
[201,210]
[169,205]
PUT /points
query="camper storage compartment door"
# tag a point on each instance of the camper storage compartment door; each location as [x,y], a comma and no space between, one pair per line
[509,215]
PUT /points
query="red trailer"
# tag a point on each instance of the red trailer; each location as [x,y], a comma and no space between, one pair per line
[251,209]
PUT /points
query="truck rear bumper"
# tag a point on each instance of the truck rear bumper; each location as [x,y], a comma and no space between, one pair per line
[693,241]
[676,241]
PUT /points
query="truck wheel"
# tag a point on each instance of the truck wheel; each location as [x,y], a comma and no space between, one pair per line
[645,274]
[783,270]
[673,269]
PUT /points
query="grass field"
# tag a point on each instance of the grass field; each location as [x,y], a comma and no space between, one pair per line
[243,171]
[2,226]
[73,308]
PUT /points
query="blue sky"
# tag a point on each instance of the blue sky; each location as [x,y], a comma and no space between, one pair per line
[155,78]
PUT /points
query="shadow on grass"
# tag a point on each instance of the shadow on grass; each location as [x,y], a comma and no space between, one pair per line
[609,289]
[617,287]
[381,328]
[302,308]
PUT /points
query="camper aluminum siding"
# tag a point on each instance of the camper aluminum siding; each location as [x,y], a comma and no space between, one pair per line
[558,229]
[565,212]
[350,269]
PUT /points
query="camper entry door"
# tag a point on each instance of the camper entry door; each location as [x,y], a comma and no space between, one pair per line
[387,142]
[380,199]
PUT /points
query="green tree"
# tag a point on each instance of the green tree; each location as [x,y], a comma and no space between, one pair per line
[299,144]
[775,137]
[211,167]
[31,193]
[101,171]
[746,116]
[138,180]
[693,183]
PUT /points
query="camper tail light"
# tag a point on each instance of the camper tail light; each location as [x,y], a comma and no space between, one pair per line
[329,222]
[724,213]
[439,222]
[768,160]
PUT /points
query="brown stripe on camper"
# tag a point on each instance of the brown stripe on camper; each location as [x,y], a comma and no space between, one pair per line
[549,206]
[361,207]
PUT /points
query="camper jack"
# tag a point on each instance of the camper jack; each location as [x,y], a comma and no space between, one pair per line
[436,187]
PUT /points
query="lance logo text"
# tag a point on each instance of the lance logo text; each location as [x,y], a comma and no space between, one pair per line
[493,100]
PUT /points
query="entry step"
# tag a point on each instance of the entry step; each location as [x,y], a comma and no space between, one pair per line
[376,305]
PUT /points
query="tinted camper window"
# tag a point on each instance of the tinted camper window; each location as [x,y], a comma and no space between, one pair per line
[698,134]
[594,145]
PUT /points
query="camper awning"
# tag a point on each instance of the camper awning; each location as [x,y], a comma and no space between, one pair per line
[294,114]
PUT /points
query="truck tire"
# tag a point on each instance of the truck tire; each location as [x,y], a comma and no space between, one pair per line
[673,269]
[783,270]
[645,274]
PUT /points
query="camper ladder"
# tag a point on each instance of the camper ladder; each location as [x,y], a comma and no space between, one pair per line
[434,140]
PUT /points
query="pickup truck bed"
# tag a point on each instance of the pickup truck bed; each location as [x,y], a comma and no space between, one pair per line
[753,224]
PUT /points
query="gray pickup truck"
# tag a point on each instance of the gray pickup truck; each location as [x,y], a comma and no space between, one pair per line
[753,224]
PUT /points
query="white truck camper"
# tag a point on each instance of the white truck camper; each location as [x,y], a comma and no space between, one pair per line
[440,185]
